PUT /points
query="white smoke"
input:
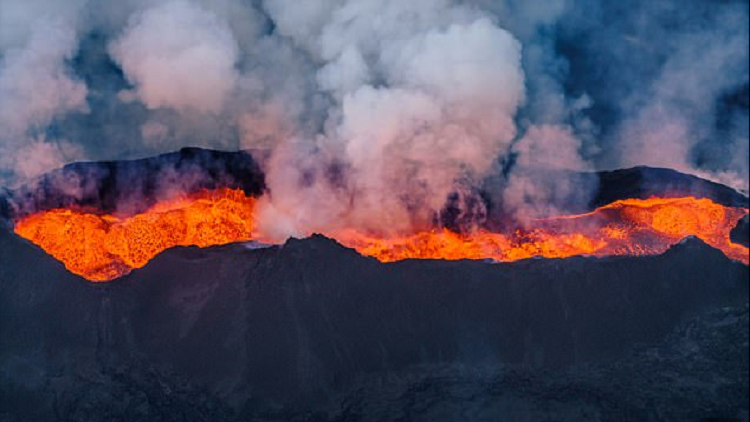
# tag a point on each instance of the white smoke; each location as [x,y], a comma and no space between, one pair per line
[671,118]
[422,98]
[179,55]
[38,156]
[546,156]
[36,87]
[20,20]
[374,112]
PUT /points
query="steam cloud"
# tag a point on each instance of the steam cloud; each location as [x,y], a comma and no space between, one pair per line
[372,113]
[36,86]
[163,49]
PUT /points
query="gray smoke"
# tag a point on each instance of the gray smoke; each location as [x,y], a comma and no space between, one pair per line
[37,85]
[669,80]
[374,112]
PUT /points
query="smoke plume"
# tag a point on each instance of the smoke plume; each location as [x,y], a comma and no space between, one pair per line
[375,114]
[163,49]
[37,86]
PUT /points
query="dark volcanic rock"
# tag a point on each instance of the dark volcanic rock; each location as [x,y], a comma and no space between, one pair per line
[700,370]
[646,182]
[312,331]
[574,193]
[132,186]
[741,233]
[5,208]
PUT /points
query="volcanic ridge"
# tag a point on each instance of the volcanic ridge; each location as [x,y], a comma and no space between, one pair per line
[313,330]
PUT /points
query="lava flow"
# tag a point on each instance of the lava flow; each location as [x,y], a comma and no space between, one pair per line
[105,247]
[630,227]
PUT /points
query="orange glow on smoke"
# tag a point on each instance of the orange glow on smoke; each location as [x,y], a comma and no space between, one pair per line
[105,247]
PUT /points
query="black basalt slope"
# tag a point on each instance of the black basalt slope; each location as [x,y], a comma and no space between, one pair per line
[312,331]
[741,233]
[646,182]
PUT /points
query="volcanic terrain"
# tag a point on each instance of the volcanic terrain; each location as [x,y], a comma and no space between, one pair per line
[310,330]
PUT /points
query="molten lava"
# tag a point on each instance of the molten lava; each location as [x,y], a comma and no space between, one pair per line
[105,247]
[629,227]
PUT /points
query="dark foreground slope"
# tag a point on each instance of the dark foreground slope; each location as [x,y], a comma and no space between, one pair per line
[314,332]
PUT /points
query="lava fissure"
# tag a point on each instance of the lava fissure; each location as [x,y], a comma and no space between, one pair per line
[104,247]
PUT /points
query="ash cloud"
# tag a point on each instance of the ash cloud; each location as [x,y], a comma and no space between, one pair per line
[375,114]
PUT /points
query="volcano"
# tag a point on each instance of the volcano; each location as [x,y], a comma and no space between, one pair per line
[103,221]
[217,326]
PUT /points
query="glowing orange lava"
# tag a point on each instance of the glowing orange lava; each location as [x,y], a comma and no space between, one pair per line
[105,247]
[630,227]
